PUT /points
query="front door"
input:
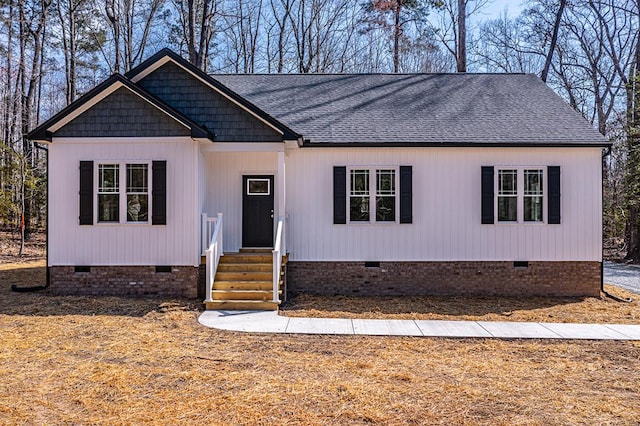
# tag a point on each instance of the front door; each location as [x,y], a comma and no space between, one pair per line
[257,211]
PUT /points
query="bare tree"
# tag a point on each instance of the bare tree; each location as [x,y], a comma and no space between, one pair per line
[131,23]
[281,12]
[393,16]
[502,47]
[451,28]
[554,40]
[243,32]
[314,24]
[461,51]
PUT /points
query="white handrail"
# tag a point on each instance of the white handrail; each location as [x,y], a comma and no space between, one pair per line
[213,253]
[208,225]
[277,259]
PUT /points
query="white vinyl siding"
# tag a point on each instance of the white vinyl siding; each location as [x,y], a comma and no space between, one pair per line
[122,243]
[446,207]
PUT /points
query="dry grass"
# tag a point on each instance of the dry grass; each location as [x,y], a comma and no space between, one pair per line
[82,360]
[539,309]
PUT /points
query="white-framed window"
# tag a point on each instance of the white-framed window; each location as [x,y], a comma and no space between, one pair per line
[520,194]
[132,179]
[373,195]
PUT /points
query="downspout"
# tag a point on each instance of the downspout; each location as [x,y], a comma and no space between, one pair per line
[606,153]
[47,282]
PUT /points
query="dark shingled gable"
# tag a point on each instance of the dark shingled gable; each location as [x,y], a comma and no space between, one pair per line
[123,114]
[202,104]
[431,109]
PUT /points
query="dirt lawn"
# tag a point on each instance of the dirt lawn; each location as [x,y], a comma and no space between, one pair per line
[82,360]
[471,308]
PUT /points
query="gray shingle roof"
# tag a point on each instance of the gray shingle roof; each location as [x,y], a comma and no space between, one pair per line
[511,109]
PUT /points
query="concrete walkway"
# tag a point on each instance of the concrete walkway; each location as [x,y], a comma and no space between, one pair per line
[271,322]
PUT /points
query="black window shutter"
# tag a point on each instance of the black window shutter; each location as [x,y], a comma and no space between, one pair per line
[159,193]
[553,176]
[86,193]
[406,194]
[339,194]
[487,195]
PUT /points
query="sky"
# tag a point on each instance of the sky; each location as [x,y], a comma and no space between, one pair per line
[495,8]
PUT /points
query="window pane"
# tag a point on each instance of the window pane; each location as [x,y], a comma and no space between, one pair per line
[533,182]
[108,206]
[533,209]
[385,209]
[108,178]
[137,207]
[359,182]
[507,209]
[359,209]
[386,182]
[258,186]
[507,182]
[137,178]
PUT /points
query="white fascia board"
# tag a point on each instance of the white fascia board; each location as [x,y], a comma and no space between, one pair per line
[291,145]
[122,140]
[99,97]
[243,147]
[145,72]
[166,59]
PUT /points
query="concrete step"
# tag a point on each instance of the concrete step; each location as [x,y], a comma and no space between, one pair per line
[248,305]
[245,267]
[243,285]
[263,295]
[243,276]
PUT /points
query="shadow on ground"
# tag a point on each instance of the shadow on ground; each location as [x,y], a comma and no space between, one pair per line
[42,303]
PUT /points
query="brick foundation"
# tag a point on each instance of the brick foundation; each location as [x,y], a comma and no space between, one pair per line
[124,281]
[445,278]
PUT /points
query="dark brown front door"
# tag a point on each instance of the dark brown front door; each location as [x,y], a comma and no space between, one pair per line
[257,211]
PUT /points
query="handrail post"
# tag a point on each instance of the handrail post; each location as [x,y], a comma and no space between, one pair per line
[209,281]
[203,233]
[277,259]
[276,275]
[220,231]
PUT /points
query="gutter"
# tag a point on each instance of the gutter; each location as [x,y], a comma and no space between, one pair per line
[605,154]
[48,279]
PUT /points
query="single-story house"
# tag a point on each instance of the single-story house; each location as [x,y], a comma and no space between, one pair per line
[370,184]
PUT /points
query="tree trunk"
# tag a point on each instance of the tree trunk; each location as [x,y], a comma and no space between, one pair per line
[397,32]
[461,57]
[113,15]
[554,40]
